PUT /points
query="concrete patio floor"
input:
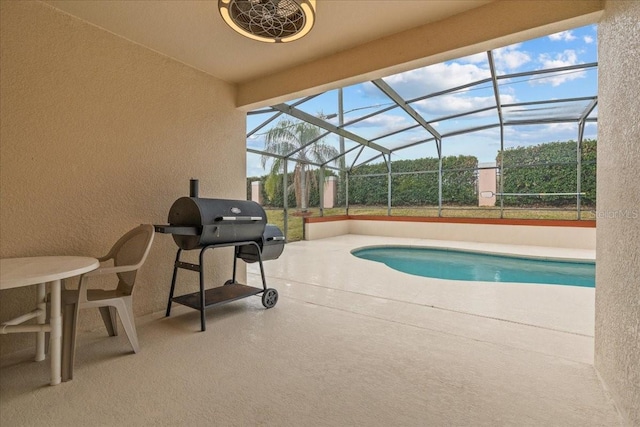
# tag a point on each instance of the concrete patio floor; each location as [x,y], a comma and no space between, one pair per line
[350,342]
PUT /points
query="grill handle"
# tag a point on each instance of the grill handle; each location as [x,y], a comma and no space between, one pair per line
[275,238]
[176,229]
[238,218]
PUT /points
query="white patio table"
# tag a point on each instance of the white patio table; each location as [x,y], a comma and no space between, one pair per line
[18,272]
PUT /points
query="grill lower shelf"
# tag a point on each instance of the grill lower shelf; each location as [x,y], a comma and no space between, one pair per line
[228,292]
[217,296]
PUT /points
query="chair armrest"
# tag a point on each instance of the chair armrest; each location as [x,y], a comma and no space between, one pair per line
[83,287]
[105,258]
[111,270]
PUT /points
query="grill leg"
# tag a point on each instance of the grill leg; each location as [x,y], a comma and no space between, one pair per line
[203,326]
[264,281]
[173,282]
[236,250]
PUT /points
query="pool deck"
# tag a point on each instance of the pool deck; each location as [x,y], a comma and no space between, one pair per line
[527,346]
[350,343]
[548,319]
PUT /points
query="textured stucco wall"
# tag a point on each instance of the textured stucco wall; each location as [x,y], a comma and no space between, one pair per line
[97,136]
[617,334]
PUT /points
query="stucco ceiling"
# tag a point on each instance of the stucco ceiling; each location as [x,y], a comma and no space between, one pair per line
[193,32]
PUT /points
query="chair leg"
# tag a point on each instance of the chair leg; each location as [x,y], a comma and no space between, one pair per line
[110,320]
[68,341]
[125,311]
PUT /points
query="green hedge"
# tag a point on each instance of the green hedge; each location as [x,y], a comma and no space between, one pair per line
[411,189]
[549,168]
[544,168]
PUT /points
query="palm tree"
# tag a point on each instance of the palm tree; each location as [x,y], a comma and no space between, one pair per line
[305,142]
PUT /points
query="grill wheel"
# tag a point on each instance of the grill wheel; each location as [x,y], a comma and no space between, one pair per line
[269,298]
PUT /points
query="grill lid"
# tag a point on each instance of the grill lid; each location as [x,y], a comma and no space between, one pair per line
[197,222]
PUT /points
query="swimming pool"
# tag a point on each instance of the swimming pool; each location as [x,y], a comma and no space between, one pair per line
[465,265]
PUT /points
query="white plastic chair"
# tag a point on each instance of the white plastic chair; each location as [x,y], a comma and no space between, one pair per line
[124,259]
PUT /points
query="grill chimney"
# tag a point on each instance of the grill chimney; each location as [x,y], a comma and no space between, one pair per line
[193,187]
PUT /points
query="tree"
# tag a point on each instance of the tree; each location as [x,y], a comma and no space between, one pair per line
[304,143]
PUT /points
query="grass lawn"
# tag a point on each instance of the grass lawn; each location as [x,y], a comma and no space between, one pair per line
[276,216]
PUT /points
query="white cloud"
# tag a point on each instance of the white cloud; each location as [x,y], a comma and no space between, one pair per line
[539,134]
[566,36]
[256,142]
[507,98]
[588,39]
[452,104]
[555,128]
[477,58]
[384,120]
[563,59]
[459,103]
[379,125]
[436,77]
[510,58]
[254,166]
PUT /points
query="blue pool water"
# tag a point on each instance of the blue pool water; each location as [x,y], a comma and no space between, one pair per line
[463,265]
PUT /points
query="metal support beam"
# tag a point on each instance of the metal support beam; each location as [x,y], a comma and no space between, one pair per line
[262,111]
[550,101]
[299,114]
[548,71]
[266,122]
[346,190]
[333,159]
[265,153]
[538,122]
[389,185]
[439,145]
[395,97]
[496,94]
[357,156]
[277,156]
[341,125]
[450,90]
[272,110]
[501,170]
[579,168]
[588,110]
[321,190]
[581,124]
[466,113]
[413,144]
[342,164]
[285,204]
[469,130]
[370,160]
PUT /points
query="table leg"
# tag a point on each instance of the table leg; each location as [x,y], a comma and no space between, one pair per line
[55,340]
[41,304]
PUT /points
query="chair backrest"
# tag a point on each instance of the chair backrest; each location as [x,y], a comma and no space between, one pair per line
[131,250]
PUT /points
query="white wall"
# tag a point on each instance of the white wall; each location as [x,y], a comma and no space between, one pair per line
[323,230]
[551,236]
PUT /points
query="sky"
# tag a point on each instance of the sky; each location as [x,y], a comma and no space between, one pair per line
[572,47]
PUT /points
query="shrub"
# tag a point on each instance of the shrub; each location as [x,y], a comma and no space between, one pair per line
[549,168]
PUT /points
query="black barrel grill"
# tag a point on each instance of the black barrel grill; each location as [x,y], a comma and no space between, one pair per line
[204,224]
